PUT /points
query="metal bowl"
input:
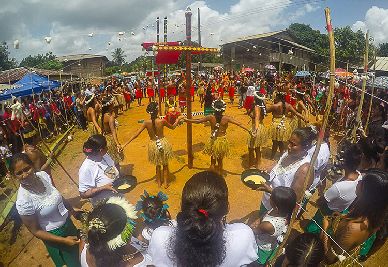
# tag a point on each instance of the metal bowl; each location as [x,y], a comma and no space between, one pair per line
[250,172]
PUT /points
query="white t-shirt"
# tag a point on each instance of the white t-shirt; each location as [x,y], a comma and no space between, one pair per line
[48,207]
[269,242]
[321,163]
[94,174]
[241,247]
[251,91]
[341,194]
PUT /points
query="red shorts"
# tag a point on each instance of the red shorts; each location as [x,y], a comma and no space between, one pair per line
[249,100]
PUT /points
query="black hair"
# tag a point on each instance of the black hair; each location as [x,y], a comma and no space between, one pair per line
[94,144]
[306,250]
[114,220]
[199,238]
[90,104]
[19,157]
[372,201]
[152,208]
[284,199]
[304,135]
[218,104]
[352,157]
[152,108]
[105,108]
[371,148]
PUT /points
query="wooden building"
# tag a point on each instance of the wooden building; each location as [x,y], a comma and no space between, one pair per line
[85,66]
[275,48]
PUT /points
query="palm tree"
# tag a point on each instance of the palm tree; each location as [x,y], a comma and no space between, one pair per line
[118,56]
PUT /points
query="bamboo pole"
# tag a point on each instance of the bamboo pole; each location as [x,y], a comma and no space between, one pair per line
[372,93]
[359,110]
[323,128]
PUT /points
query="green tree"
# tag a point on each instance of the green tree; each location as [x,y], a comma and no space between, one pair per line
[349,45]
[40,61]
[382,50]
[118,56]
[6,62]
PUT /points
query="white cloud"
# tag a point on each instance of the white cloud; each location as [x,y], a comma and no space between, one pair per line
[69,23]
[376,21]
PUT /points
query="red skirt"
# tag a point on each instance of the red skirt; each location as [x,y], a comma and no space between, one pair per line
[162,92]
[192,91]
[150,92]
[173,91]
[182,101]
[249,102]
[127,97]
[139,94]
[231,92]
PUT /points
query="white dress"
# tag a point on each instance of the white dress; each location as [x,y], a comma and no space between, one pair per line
[282,176]
[269,242]
[241,247]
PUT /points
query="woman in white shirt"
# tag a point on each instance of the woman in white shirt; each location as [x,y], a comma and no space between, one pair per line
[291,169]
[202,237]
[343,192]
[45,212]
[98,171]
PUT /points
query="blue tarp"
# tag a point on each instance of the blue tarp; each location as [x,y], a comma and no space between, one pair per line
[302,73]
[31,83]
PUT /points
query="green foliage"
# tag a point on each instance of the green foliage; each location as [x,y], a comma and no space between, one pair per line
[382,50]
[6,62]
[350,45]
[40,61]
[118,56]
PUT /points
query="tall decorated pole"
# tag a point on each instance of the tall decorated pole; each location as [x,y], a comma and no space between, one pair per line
[165,40]
[322,131]
[188,15]
[159,83]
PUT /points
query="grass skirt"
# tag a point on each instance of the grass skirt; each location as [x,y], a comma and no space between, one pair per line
[160,157]
[112,149]
[278,132]
[217,147]
[260,139]
[92,129]
[294,123]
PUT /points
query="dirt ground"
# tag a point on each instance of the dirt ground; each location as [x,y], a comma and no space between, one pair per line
[243,202]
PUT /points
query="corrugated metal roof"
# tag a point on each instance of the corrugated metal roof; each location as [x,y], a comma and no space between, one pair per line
[381,63]
[257,36]
[13,75]
[270,34]
[79,57]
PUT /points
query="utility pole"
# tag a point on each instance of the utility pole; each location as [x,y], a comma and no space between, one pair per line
[199,40]
[364,76]
[188,15]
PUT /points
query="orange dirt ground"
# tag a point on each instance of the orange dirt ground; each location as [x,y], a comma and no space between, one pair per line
[243,201]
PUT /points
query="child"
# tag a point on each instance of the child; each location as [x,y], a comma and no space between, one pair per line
[154,213]
[269,232]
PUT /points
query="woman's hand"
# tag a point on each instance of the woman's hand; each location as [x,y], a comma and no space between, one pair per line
[108,187]
[119,148]
[71,240]
[264,187]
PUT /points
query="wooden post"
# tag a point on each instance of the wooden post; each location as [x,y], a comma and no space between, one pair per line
[159,83]
[322,130]
[188,15]
[372,93]
[358,122]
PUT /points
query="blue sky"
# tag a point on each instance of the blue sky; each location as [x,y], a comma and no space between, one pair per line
[70,22]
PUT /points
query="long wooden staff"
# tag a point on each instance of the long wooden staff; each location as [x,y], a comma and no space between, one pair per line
[54,158]
[323,128]
[372,94]
[359,110]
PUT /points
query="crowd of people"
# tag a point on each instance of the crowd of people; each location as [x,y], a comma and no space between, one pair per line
[351,190]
